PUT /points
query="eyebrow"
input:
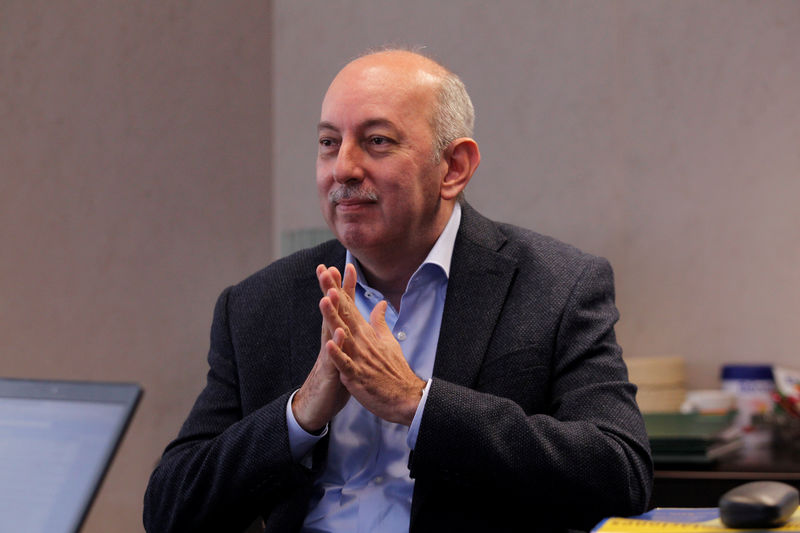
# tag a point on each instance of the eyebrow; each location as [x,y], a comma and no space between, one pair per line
[371,123]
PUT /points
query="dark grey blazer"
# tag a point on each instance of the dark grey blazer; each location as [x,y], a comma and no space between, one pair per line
[530,417]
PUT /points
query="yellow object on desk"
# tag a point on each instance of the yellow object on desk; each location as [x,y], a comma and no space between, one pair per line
[674,520]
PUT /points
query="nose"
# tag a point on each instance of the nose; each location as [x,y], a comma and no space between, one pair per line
[349,163]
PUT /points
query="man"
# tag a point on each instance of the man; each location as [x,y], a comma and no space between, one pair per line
[466,378]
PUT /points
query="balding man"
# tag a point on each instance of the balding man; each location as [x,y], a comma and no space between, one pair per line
[466,378]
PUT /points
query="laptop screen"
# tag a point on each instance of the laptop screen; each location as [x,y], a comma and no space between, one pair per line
[57,440]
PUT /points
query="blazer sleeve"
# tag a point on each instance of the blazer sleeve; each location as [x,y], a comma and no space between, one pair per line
[226,467]
[580,452]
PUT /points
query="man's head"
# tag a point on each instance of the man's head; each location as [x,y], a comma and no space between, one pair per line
[394,152]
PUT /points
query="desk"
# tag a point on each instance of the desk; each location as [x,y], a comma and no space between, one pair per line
[702,485]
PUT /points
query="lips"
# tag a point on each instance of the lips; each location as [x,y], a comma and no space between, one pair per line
[355,201]
[352,204]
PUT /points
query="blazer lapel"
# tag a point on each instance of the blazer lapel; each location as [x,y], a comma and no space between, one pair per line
[479,280]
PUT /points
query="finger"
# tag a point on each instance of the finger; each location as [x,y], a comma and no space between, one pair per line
[338,337]
[324,278]
[335,297]
[340,360]
[330,315]
[328,277]
[336,276]
[350,278]
[346,309]
[325,335]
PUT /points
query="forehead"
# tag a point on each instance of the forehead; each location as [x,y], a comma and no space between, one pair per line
[372,91]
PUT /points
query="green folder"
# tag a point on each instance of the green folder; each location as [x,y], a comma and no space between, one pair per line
[691,438]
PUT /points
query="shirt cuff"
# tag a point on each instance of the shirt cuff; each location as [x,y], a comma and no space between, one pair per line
[300,440]
[413,429]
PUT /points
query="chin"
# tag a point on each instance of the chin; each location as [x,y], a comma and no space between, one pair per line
[354,239]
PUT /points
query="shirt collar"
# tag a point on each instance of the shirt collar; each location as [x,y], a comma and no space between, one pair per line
[442,252]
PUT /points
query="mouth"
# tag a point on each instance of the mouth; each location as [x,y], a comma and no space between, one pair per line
[354,201]
[352,204]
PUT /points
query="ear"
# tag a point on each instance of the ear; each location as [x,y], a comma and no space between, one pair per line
[462,158]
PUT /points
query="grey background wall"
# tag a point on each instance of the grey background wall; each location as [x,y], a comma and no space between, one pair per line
[152,153]
[134,186]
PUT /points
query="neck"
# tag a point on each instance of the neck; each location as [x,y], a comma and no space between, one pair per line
[388,269]
[391,280]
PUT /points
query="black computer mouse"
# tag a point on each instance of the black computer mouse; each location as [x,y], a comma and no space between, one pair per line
[760,504]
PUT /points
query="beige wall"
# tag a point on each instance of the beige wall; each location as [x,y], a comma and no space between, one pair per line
[136,178]
[663,135]
[134,185]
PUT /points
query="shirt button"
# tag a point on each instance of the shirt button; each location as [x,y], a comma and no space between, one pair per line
[378,480]
[401,335]
[368,295]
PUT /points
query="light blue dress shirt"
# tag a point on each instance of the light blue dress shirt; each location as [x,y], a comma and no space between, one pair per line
[365,486]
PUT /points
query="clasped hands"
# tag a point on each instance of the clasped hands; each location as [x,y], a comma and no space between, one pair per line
[357,358]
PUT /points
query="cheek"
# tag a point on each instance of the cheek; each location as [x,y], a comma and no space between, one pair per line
[323,187]
[429,188]
[323,181]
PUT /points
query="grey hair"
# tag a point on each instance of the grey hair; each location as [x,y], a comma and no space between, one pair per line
[453,114]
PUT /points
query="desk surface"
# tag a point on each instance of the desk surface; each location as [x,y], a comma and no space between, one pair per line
[702,485]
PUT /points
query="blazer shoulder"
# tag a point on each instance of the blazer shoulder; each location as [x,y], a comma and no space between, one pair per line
[281,277]
[515,242]
[521,241]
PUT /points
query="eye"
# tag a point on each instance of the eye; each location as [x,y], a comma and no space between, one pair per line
[327,144]
[379,141]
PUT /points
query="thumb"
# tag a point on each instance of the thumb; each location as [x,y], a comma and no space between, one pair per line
[377,318]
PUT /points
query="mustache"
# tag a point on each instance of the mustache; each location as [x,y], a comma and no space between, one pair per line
[352,192]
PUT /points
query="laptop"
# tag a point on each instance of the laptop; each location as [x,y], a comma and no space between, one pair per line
[57,440]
